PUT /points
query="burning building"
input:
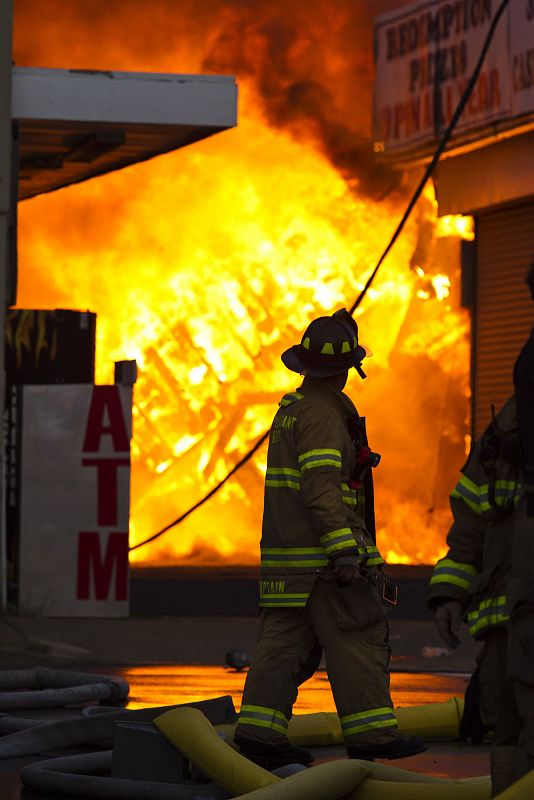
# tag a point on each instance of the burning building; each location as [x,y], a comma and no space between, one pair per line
[204,266]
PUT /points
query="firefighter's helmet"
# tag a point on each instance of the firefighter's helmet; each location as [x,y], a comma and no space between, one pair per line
[329,346]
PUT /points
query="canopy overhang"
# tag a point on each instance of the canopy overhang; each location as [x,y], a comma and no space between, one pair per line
[72,125]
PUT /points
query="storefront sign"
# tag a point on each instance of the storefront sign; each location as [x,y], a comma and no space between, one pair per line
[74,500]
[425,54]
[522,56]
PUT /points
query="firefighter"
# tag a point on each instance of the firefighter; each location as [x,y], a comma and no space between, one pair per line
[520,595]
[524,392]
[321,576]
[474,579]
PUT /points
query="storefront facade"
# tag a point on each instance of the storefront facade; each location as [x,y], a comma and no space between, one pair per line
[425,55]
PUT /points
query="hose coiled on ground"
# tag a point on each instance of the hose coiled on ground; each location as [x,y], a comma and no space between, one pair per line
[51,688]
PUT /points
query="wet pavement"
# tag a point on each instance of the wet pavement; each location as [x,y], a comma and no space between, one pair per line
[170,684]
[161,686]
[194,615]
[171,650]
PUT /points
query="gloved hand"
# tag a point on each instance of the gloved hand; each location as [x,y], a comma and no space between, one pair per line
[448,618]
[347,574]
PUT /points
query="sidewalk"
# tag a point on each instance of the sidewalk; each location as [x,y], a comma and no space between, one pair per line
[195,615]
[31,641]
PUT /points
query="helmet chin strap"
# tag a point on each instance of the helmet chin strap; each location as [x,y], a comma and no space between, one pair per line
[359,370]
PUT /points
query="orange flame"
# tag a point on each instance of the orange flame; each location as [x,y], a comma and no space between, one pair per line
[205,264]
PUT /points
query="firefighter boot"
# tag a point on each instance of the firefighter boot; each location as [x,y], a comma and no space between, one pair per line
[401,747]
[271,756]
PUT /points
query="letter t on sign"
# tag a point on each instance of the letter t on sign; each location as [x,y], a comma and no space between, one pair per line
[107,486]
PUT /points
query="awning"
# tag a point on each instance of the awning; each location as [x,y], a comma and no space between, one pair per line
[77,124]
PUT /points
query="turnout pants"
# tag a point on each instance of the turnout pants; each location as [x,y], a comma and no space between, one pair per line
[355,643]
[512,703]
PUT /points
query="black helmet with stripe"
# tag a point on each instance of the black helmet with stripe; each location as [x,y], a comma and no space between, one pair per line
[329,346]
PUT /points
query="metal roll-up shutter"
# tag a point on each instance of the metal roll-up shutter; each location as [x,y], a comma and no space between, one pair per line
[504,311]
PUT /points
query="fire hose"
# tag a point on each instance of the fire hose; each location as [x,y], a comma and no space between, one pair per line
[25,737]
[444,140]
[193,735]
[51,688]
[209,745]
[82,775]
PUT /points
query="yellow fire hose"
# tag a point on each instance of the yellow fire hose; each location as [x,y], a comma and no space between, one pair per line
[195,737]
[435,720]
[190,731]
[522,790]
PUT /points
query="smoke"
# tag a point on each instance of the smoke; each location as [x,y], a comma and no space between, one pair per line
[310,68]
[313,70]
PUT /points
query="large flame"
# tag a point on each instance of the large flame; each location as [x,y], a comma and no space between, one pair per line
[205,264]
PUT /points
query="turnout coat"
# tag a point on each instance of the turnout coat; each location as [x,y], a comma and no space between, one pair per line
[479,566]
[314,512]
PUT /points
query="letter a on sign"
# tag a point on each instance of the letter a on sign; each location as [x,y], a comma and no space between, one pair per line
[106,418]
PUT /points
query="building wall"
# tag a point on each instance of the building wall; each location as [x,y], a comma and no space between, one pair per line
[486,177]
[495,184]
[488,173]
[503,312]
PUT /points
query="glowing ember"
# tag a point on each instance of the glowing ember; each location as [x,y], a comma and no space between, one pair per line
[456,225]
[205,264]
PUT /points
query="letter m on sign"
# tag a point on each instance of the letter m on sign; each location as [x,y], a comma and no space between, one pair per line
[97,569]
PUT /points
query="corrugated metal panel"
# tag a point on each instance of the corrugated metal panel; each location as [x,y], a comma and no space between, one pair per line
[504,311]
